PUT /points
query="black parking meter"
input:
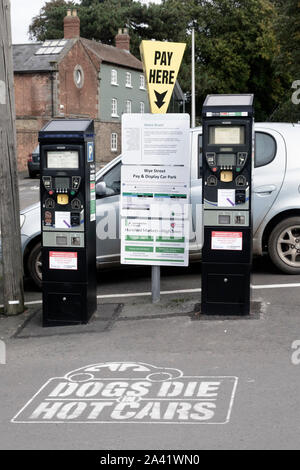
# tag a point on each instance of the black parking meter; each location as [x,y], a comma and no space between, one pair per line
[68,220]
[228,148]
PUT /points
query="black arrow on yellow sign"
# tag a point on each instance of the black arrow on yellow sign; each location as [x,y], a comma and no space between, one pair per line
[160,98]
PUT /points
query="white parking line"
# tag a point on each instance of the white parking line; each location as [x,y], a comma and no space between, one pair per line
[276,286]
[183,291]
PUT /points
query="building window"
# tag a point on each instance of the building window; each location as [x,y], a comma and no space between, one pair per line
[128,79]
[127,106]
[114,77]
[78,76]
[142,107]
[114,142]
[114,107]
[142,82]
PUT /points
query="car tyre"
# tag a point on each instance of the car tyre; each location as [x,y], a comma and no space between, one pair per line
[34,265]
[284,245]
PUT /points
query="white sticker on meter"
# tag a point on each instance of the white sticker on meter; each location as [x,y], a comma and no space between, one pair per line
[226,197]
[62,219]
[227,241]
[63,260]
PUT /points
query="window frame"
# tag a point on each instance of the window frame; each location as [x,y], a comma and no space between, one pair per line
[128,104]
[114,73]
[275,149]
[142,82]
[114,104]
[142,107]
[112,136]
[102,178]
[78,76]
[128,83]
[199,167]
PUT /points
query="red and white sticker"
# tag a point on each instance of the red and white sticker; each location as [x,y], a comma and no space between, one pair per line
[227,241]
[63,260]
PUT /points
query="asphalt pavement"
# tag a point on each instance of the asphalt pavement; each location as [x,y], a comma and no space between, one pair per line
[143,376]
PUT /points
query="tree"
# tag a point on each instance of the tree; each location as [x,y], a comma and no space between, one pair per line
[101,19]
[49,23]
[287,28]
[236,40]
[235,50]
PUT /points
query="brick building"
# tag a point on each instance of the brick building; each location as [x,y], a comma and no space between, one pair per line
[76,77]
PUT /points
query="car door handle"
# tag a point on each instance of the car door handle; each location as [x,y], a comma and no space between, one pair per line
[265,189]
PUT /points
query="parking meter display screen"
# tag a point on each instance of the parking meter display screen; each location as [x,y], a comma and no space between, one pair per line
[63,159]
[222,135]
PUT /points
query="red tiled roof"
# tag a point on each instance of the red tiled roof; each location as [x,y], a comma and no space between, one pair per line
[112,54]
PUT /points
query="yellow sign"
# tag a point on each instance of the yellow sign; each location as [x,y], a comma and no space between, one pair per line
[161,61]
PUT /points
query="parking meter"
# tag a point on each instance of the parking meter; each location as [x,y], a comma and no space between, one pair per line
[228,149]
[68,221]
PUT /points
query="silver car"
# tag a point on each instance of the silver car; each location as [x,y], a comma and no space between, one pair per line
[276,204]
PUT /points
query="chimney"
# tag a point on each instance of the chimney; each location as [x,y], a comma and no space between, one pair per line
[71,25]
[123,39]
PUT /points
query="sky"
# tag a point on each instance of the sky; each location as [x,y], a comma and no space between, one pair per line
[22,12]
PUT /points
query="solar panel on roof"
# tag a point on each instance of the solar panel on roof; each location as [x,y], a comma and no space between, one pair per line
[51,47]
[67,125]
[229,100]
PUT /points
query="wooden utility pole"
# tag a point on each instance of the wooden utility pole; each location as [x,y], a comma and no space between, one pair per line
[13,292]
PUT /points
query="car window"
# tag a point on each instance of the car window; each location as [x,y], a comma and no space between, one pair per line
[112,179]
[200,140]
[265,149]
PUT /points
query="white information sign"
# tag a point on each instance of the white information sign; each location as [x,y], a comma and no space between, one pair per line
[154,242]
[154,191]
[155,139]
[154,215]
[155,187]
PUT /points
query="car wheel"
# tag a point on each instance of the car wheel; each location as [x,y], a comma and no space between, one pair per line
[34,265]
[284,245]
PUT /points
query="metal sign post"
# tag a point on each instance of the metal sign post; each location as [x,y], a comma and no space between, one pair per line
[155,284]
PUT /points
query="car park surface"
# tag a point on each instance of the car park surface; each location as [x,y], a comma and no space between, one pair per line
[256,351]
